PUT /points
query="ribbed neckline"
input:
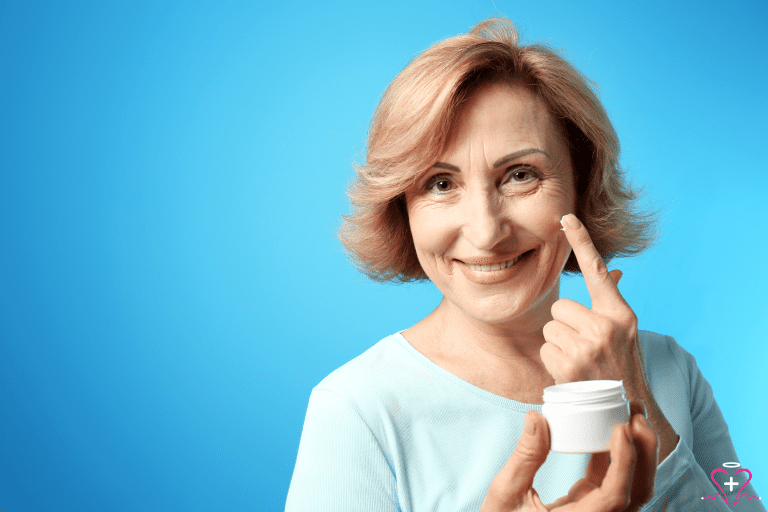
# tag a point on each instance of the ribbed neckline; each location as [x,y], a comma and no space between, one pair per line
[486,395]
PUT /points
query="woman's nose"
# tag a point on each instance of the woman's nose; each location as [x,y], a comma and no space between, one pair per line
[486,223]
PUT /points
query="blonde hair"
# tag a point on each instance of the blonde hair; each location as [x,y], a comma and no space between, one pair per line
[412,126]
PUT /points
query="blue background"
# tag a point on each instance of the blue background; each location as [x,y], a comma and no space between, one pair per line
[172,178]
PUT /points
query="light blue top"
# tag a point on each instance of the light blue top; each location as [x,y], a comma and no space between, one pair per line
[393,431]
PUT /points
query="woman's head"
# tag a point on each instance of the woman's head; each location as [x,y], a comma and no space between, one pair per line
[418,116]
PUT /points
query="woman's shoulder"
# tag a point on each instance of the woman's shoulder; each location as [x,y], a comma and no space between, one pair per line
[374,372]
[661,349]
[665,360]
[671,368]
[678,387]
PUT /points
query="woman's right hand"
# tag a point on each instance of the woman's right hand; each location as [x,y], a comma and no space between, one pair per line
[623,480]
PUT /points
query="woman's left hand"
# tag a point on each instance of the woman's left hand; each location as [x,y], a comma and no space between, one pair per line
[600,343]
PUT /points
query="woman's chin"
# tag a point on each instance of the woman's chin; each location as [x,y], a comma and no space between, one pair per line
[511,308]
[498,312]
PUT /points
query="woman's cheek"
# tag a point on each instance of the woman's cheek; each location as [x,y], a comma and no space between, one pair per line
[429,240]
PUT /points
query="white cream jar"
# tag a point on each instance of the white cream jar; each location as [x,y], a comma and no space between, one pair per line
[582,415]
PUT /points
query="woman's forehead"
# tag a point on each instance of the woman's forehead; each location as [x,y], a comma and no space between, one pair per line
[501,117]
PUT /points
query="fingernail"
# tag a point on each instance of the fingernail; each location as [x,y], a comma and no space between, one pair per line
[530,425]
[570,221]
[627,432]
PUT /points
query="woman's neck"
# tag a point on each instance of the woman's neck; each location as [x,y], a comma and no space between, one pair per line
[518,339]
[506,363]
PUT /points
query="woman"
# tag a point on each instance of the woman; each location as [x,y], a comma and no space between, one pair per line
[491,169]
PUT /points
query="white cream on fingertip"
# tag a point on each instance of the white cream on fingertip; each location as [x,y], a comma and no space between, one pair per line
[561,223]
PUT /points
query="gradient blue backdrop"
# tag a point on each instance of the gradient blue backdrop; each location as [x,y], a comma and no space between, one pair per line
[172,177]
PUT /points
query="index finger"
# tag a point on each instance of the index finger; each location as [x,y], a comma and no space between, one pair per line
[600,462]
[601,286]
[617,484]
[646,446]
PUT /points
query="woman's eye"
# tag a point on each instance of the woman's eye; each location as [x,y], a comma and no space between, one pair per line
[439,185]
[523,175]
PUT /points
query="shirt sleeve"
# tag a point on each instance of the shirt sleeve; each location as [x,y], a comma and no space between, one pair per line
[340,465]
[683,479]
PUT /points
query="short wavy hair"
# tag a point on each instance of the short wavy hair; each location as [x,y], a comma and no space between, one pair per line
[413,124]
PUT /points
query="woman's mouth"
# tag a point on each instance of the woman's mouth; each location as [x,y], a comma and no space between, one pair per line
[497,273]
[498,266]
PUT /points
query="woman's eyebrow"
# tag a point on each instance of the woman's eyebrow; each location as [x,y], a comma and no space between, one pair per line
[501,161]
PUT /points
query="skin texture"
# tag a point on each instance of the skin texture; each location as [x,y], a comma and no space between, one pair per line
[508,332]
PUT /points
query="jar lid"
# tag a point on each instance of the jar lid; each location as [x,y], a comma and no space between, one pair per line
[588,390]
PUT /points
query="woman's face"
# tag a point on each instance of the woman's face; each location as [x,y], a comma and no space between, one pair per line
[497,194]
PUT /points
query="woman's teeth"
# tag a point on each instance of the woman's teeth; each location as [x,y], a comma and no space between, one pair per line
[496,266]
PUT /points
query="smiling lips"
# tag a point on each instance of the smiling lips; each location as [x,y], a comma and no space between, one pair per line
[494,273]
[494,266]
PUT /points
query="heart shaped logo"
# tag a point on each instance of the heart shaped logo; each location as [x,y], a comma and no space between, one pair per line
[738,494]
